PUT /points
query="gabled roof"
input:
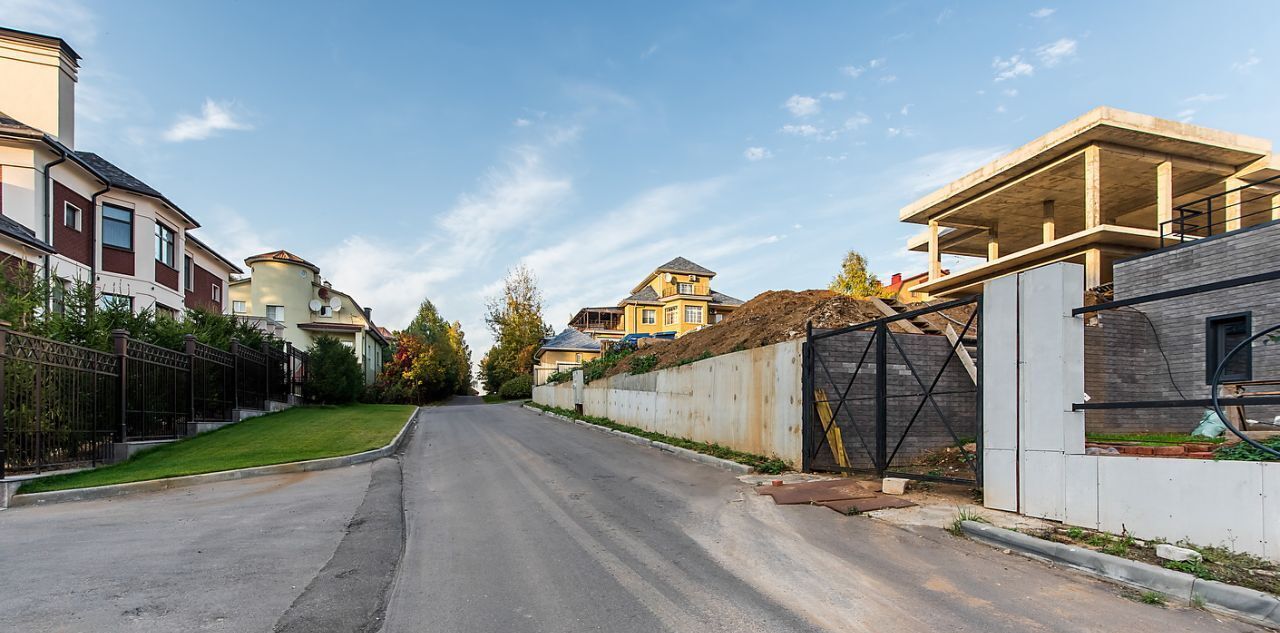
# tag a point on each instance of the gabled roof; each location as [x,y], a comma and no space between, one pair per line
[12,229]
[724,299]
[682,265]
[646,294]
[205,247]
[121,179]
[570,340]
[281,256]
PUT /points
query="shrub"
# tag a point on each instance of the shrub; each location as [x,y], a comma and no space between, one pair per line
[558,377]
[334,375]
[518,387]
[644,364]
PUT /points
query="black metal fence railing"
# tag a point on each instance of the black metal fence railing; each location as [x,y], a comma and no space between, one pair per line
[1250,204]
[65,406]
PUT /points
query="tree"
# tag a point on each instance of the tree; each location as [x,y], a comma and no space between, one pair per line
[333,374]
[854,279]
[431,361]
[515,318]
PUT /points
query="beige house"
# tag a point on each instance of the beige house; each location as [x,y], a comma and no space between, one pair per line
[286,296]
[1107,185]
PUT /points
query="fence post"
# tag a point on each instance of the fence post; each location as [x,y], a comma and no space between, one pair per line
[120,342]
[189,345]
[4,351]
[882,392]
[235,375]
[266,374]
[807,397]
[289,371]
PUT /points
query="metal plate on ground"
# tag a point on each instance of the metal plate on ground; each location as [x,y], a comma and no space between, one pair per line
[858,506]
[816,491]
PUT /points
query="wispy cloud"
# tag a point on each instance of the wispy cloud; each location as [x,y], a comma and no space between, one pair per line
[808,131]
[757,153]
[214,117]
[648,52]
[1011,68]
[877,62]
[1042,13]
[833,96]
[906,109]
[888,79]
[944,16]
[855,71]
[522,122]
[856,121]
[1186,115]
[1247,64]
[1057,52]
[802,106]
[935,169]
[68,19]
[1204,98]
[1009,92]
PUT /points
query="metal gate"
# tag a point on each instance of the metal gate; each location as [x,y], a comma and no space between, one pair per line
[898,396]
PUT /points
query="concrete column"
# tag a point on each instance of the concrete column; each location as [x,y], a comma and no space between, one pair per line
[935,254]
[1232,207]
[1275,207]
[1000,393]
[993,243]
[1092,186]
[1164,197]
[1092,268]
[1047,226]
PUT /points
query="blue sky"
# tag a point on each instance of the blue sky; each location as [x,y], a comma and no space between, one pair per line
[422,149]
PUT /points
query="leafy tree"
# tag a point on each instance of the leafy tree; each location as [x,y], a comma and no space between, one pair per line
[458,342]
[431,361]
[515,318]
[334,375]
[854,279]
[518,387]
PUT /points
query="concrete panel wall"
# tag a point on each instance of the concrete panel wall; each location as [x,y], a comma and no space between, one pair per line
[750,400]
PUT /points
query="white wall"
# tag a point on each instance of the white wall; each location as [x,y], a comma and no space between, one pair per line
[750,400]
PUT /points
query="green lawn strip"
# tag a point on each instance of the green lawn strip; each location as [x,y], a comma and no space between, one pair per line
[1152,439]
[297,434]
[767,465]
[492,398]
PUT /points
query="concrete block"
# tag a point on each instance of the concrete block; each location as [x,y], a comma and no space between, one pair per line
[1173,552]
[893,485]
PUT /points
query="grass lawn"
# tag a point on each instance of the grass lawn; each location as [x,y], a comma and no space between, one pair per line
[1152,439]
[297,434]
[492,398]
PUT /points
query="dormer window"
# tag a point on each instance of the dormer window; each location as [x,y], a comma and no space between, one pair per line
[684,288]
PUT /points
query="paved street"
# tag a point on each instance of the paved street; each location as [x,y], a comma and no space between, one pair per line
[515,522]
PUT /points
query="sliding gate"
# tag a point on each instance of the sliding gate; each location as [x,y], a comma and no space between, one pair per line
[898,396]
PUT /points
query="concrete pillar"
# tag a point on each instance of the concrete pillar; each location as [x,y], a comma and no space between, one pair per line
[1092,268]
[993,243]
[935,254]
[1231,202]
[1275,207]
[1164,197]
[1092,186]
[1047,227]
[1000,393]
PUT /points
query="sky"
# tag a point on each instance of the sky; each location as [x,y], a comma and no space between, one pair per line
[420,150]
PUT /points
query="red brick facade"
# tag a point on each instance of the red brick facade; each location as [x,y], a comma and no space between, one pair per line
[201,293]
[70,242]
[117,260]
[168,277]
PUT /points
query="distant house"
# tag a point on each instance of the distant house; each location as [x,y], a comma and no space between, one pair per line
[285,294]
[675,299]
[904,288]
[567,350]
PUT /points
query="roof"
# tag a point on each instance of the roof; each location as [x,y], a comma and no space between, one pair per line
[40,38]
[724,299]
[330,327]
[570,340]
[121,179]
[646,294]
[205,247]
[11,228]
[10,125]
[682,265]
[281,256]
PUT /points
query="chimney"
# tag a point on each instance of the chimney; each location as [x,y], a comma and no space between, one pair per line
[897,279]
[368,314]
[39,87]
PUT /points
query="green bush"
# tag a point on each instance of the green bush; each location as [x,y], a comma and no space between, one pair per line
[516,388]
[334,376]
[1246,453]
[558,377]
[644,364]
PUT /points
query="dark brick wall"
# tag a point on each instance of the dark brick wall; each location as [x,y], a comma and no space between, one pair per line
[166,276]
[116,260]
[69,242]
[954,394]
[201,293]
[1123,359]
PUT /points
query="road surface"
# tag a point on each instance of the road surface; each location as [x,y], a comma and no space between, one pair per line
[516,522]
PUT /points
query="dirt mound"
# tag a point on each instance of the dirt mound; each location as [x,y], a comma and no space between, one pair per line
[771,317]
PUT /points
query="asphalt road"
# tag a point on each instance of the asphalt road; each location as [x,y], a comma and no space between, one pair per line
[496,519]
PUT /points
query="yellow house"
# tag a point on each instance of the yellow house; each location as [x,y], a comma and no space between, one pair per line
[286,296]
[675,299]
[567,350]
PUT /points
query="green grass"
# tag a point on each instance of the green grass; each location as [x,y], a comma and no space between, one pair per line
[296,434]
[492,398]
[1153,439]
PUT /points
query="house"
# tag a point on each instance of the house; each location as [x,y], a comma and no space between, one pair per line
[675,299]
[75,215]
[1108,185]
[603,323]
[904,288]
[567,350]
[286,295]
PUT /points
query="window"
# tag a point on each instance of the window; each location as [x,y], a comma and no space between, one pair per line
[58,299]
[164,245]
[117,227]
[693,314]
[276,313]
[216,293]
[669,316]
[326,311]
[109,301]
[165,311]
[188,273]
[578,357]
[1222,334]
[71,216]
[684,288]
[649,317]
[237,307]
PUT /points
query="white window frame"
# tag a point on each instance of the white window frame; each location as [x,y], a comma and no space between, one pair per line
[649,316]
[107,298]
[281,313]
[684,285]
[77,214]
[109,220]
[238,307]
[698,314]
[188,273]
[216,292]
[166,247]
[670,316]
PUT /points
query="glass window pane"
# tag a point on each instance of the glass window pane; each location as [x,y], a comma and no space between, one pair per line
[117,234]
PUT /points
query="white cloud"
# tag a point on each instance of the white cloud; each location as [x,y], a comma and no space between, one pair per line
[234,236]
[1009,92]
[68,19]
[522,122]
[906,109]
[888,79]
[1011,68]
[1057,52]
[653,48]
[757,153]
[853,71]
[214,117]
[935,169]
[802,106]
[1000,109]
[1186,115]
[833,96]
[944,16]
[1204,98]
[1248,63]
[877,62]
[1042,13]
[856,121]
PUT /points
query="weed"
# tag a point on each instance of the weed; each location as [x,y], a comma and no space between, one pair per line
[1075,533]
[1151,597]
[643,364]
[1194,567]
[1098,540]
[1197,601]
[965,514]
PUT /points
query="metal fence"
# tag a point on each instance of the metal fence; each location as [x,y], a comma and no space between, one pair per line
[65,405]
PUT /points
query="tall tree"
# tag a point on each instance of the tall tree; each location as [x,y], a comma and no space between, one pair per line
[514,316]
[854,279]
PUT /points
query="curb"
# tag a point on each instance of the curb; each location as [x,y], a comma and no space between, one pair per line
[685,453]
[116,490]
[1256,606]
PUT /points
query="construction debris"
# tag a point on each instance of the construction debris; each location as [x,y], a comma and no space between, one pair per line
[846,496]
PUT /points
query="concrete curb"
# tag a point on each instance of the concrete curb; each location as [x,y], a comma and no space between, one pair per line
[725,464]
[116,490]
[1248,604]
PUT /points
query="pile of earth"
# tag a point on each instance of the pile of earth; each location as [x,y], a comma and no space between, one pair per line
[773,317]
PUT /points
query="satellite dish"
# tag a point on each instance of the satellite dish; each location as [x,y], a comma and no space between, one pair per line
[335,304]
[668,277]
[315,305]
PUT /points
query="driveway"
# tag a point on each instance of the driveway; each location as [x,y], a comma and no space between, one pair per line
[516,522]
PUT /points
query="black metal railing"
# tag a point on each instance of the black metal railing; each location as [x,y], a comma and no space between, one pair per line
[213,382]
[251,377]
[156,384]
[1219,213]
[277,368]
[298,364]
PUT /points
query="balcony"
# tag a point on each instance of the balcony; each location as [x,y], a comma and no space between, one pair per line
[1248,205]
[695,289]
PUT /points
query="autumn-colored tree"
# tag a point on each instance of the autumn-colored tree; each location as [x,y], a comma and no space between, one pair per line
[514,316]
[431,361]
[854,279]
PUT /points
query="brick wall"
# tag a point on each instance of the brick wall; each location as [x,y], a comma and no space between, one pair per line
[201,293]
[954,394]
[70,242]
[1123,359]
